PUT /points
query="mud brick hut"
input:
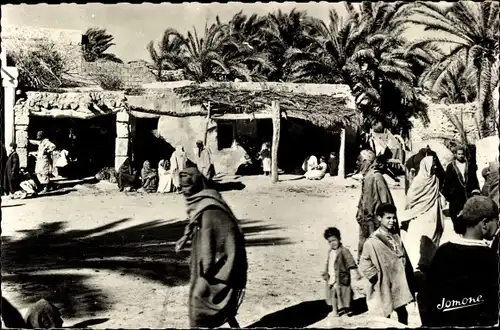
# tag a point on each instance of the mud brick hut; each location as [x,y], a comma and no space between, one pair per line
[233,118]
[86,121]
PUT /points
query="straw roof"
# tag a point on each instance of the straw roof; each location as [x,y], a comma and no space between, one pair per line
[320,109]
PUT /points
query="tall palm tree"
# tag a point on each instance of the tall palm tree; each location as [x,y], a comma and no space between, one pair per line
[98,42]
[244,49]
[473,31]
[169,54]
[285,33]
[203,61]
[325,59]
[456,85]
[366,52]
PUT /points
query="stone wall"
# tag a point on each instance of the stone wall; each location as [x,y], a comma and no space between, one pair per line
[132,74]
[440,128]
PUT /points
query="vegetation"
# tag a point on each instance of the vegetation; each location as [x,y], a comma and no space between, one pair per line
[40,65]
[110,81]
[98,42]
[365,50]
[473,31]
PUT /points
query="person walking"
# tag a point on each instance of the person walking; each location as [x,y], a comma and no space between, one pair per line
[204,160]
[218,256]
[374,192]
[43,168]
[460,184]
[422,222]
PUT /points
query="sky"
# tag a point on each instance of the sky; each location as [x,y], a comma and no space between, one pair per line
[135,25]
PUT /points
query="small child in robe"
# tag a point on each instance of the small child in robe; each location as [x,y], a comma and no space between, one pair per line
[337,274]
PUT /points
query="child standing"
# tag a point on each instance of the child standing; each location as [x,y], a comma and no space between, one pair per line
[337,274]
[385,264]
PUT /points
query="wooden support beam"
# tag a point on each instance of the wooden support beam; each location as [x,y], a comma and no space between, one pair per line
[205,138]
[276,118]
[341,172]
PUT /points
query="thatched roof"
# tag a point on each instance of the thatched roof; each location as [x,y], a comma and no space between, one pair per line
[319,108]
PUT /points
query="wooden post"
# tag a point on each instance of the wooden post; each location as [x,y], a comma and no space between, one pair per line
[341,173]
[9,84]
[207,125]
[276,117]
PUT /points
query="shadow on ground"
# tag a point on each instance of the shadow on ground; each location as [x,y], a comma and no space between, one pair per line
[145,250]
[298,316]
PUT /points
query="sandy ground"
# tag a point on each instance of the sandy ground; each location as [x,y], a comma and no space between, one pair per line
[106,258]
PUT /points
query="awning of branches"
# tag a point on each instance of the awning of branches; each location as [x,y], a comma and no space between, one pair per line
[322,110]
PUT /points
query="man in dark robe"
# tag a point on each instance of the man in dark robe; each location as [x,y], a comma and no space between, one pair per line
[374,192]
[218,256]
[12,178]
[460,288]
[3,160]
[333,164]
[460,183]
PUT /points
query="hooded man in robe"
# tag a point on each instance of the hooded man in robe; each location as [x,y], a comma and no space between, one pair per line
[374,191]
[204,160]
[218,256]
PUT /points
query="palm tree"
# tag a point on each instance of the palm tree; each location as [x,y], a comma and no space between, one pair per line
[456,85]
[285,34]
[367,53]
[244,49]
[98,42]
[472,30]
[169,54]
[203,60]
[325,59]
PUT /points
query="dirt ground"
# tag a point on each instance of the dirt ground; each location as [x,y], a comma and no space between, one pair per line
[106,258]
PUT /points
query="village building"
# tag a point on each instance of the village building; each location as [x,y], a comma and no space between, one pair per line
[149,122]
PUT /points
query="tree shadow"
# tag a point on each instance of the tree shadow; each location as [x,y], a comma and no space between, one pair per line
[56,193]
[143,251]
[88,323]
[228,186]
[14,205]
[298,316]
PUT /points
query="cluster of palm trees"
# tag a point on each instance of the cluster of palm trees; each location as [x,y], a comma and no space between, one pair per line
[366,50]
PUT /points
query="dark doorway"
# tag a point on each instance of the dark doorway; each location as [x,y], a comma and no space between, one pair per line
[146,144]
[225,134]
[90,141]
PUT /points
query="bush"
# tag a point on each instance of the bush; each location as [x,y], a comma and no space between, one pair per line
[138,90]
[40,65]
[110,81]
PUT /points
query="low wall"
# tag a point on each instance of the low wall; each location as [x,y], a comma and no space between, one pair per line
[132,74]
[440,127]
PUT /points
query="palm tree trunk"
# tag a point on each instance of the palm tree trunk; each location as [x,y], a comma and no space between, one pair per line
[484,106]
[276,118]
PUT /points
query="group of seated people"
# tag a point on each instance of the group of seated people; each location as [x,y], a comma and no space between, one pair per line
[149,179]
[317,171]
